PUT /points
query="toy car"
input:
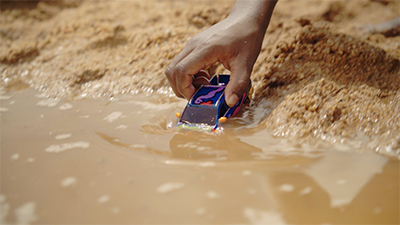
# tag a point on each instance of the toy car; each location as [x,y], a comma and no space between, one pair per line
[207,108]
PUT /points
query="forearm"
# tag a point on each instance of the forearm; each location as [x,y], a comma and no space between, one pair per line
[257,11]
[235,42]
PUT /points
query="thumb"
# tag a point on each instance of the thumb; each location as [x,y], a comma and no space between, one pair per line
[237,86]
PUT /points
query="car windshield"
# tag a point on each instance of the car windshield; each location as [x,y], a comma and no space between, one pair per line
[199,115]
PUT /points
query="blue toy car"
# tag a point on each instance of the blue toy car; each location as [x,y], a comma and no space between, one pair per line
[207,107]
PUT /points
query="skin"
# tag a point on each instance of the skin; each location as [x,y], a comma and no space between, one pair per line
[234,42]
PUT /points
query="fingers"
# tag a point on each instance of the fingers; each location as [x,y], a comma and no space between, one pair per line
[203,73]
[191,65]
[238,84]
[180,73]
[201,78]
[170,71]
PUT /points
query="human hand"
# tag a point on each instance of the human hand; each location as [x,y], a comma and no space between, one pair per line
[235,42]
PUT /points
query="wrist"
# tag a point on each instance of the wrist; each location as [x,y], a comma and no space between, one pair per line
[257,12]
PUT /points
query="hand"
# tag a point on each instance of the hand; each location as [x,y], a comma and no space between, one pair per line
[235,42]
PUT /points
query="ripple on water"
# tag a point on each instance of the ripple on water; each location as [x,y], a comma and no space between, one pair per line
[244,173]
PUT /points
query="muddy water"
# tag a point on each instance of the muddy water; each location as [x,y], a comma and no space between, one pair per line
[120,161]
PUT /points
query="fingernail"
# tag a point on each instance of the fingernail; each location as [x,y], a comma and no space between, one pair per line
[231,100]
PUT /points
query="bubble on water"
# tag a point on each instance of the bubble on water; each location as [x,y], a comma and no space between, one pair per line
[259,217]
[12,102]
[169,186]
[4,97]
[2,109]
[30,160]
[66,146]
[247,172]
[115,210]
[121,127]
[201,211]
[63,136]
[15,156]
[113,116]
[103,199]
[69,181]
[306,191]
[187,145]
[286,188]
[169,125]
[207,164]
[212,195]
[341,181]
[65,106]
[49,102]
[25,214]
[202,148]
[137,146]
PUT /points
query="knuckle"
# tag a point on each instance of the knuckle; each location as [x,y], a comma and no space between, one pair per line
[242,84]
[192,41]
[210,47]
[169,72]
[180,69]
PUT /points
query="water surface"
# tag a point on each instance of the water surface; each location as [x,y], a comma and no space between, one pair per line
[120,161]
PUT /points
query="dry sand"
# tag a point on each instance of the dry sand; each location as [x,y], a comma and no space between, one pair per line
[322,73]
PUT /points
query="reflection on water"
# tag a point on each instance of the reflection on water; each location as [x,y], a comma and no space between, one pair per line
[119,161]
[223,146]
[343,179]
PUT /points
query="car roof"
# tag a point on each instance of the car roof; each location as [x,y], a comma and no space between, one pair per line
[208,96]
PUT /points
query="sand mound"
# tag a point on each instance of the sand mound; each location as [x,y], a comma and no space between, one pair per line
[331,85]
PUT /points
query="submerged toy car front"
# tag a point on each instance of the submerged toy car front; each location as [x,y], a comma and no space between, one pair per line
[207,108]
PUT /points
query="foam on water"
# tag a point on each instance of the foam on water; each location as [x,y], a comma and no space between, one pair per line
[66,146]
[169,186]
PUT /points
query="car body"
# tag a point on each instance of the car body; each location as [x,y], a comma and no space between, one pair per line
[207,107]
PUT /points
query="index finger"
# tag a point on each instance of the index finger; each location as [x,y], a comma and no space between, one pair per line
[191,65]
[170,72]
[238,84]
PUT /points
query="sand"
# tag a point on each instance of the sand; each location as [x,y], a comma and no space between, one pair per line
[322,73]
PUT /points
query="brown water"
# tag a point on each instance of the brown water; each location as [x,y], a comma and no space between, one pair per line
[119,162]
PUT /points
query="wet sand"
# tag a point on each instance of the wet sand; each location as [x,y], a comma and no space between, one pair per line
[87,117]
